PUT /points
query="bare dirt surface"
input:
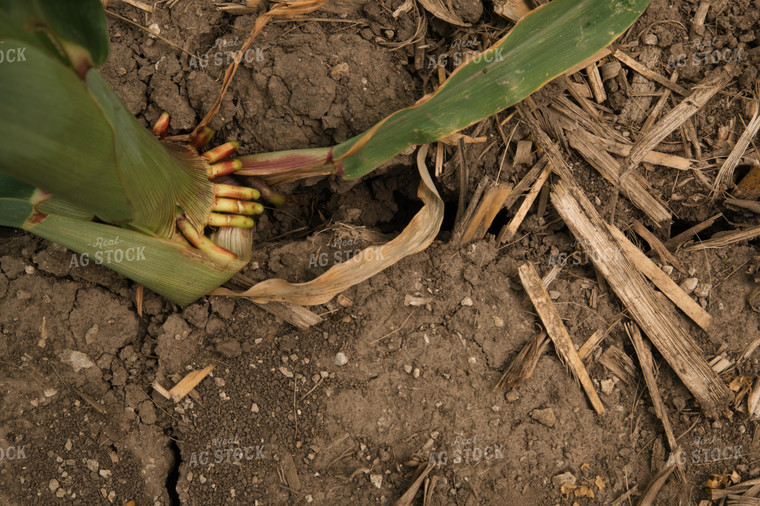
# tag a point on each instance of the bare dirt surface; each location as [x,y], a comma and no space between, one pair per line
[424,342]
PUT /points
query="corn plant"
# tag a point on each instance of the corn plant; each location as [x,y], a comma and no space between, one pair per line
[77,169]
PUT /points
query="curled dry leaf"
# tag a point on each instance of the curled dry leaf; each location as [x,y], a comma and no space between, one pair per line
[416,237]
[438,9]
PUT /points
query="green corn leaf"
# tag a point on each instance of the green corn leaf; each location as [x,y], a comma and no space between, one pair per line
[76,141]
[54,127]
[154,177]
[73,30]
[543,45]
[114,166]
[175,270]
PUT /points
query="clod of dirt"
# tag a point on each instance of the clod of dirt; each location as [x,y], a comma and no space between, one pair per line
[76,359]
[12,266]
[54,259]
[544,416]
[689,284]
[229,348]
[3,284]
[196,314]
[468,10]
[176,345]
[101,323]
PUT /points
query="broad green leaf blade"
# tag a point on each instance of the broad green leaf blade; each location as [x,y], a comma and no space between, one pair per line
[544,44]
[11,188]
[54,205]
[55,137]
[74,29]
[177,271]
[14,201]
[154,180]
[62,140]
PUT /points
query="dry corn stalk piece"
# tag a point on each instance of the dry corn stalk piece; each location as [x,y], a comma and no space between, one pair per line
[659,322]
[612,141]
[619,364]
[702,93]
[290,472]
[662,280]
[510,229]
[677,241]
[297,316]
[475,225]
[724,239]
[591,343]
[522,366]
[656,483]
[649,74]
[647,367]
[725,176]
[422,472]
[551,319]
[665,256]
[185,386]
[635,188]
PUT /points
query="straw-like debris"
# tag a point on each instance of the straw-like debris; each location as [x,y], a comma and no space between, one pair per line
[551,319]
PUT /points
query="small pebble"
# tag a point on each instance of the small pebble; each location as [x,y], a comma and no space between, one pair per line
[416,373]
[286,372]
[377,480]
[512,396]
[408,368]
[498,322]
[254,408]
[650,39]
[544,416]
[466,301]
[554,294]
[93,465]
[53,485]
[340,359]
[607,386]
[667,269]
[689,284]
[703,290]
